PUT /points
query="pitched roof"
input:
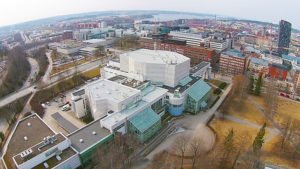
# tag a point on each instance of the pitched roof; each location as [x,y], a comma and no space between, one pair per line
[198,90]
[144,119]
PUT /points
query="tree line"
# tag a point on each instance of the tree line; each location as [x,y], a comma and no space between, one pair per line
[18,71]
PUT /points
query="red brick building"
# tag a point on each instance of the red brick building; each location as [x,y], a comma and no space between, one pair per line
[196,54]
[278,71]
[232,62]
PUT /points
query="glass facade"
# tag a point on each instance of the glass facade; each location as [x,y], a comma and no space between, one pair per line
[284,38]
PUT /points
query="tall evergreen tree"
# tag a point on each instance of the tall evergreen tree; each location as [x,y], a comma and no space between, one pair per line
[258,85]
[257,145]
[251,84]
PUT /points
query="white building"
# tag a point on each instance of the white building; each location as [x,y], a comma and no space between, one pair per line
[218,45]
[34,144]
[160,67]
[107,97]
[190,38]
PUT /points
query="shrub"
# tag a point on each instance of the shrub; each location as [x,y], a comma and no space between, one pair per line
[217,91]
[222,85]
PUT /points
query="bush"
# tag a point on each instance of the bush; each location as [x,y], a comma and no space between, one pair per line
[217,91]
[222,85]
[215,101]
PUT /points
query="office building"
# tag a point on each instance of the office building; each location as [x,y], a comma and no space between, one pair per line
[34,144]
[284,37]
[232,62]
[190,38]
[196,54]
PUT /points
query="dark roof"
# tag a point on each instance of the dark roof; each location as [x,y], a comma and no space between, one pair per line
[39,148]
[79,92]
[64,123]
[198,67]
[86,133]
[35,132]
[280,66]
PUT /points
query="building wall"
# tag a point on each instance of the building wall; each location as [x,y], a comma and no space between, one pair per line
[44,156]
[230,65]
[146,135]
[277,73]
[196,54]
[71,163]
[87,155]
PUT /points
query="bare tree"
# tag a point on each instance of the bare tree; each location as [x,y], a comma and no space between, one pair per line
[180,146]
[195,148]
[271,98]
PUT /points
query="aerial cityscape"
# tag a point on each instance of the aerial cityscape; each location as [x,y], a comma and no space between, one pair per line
[95,86]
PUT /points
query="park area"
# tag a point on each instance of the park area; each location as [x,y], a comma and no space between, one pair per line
[246,119]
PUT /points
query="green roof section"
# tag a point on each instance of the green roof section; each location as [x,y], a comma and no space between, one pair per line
[144,119]
[185,81]
[198,90]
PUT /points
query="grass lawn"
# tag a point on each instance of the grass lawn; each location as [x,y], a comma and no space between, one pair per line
[248,112]
[270,148]
[221,127]
[286,108]
[92,73]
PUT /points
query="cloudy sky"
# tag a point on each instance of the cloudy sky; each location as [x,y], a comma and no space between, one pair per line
[15,11]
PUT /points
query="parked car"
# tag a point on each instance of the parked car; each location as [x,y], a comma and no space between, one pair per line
[66,107]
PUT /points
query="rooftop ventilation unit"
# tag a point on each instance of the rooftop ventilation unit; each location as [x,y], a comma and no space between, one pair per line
[26,153]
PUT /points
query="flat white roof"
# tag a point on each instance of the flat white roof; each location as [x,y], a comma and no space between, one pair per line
[156,56]
[94,41]
[109,90]
[154,94]
[88,49]
[121,116]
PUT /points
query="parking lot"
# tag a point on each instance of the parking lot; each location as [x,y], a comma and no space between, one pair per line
[54,106]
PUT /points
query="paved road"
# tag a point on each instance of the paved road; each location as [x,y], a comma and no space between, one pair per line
[23,92]
[14,96]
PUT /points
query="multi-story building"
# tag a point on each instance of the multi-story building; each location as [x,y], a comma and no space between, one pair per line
[196,54]
[190,38]
[219,45]
[296,81]
[34,144]
[232,62]
[257,66]
[284,37]
[278,71]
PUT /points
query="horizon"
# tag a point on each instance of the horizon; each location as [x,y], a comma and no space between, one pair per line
[229,8]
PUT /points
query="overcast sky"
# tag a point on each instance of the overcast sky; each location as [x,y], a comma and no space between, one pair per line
[15,11]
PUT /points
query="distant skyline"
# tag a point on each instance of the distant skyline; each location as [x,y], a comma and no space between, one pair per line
[17,11]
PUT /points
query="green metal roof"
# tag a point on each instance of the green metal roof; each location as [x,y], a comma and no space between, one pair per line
[144,119]
[185,81]
[198,90]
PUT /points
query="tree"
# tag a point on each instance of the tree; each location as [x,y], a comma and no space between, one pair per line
[251,84]
[257,145]
[116,154]
[271,98]
[2,136]
[195,148]
[54,54]
[228,148]
[181,144]
[258,85]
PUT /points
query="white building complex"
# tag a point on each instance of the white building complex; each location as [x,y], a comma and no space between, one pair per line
[134,94]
